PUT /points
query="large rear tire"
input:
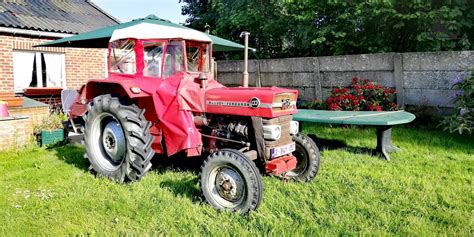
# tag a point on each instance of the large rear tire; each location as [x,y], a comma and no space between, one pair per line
[231,181]
[117,139]
[308,158]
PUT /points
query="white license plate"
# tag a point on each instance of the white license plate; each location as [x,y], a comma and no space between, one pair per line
[283,150]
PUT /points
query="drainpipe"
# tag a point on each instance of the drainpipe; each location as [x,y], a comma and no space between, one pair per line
[245,74]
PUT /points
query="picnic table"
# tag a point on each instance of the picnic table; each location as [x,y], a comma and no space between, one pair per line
[383,122]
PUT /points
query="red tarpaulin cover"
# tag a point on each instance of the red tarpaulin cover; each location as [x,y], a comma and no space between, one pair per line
[175,100]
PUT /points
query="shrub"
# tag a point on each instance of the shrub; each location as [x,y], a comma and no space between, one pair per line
[463,118]
[51,122]
[362,95]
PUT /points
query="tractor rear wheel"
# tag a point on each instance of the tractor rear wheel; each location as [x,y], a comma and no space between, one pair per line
[231,181]
[307,157]
[117,139]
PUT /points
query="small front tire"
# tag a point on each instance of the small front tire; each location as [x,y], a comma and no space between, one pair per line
[308,159]
[231,181]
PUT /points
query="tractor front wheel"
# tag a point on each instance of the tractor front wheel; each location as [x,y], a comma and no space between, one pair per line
[117,139]
[231,181]
[307,157]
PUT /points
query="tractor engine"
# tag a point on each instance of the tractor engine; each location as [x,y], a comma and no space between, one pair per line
[239,133]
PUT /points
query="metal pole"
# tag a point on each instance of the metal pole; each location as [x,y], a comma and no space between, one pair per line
[245,74]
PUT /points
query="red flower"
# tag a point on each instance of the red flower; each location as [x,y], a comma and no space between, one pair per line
[334,106]
[361,95]
[354,80]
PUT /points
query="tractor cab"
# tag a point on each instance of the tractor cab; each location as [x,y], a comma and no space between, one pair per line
[159,58]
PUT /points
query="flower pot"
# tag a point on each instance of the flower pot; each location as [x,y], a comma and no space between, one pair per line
[3,109]
[52,136]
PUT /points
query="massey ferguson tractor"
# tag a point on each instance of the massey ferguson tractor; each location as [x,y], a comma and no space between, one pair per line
[160,98]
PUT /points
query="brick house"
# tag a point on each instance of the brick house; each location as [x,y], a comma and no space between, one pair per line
[26,23]
[39,73]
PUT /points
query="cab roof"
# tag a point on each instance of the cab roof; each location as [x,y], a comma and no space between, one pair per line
[154,31]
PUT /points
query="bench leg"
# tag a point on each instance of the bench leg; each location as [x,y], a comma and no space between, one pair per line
[384,142]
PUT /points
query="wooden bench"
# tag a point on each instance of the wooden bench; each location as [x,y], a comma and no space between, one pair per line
[383,121]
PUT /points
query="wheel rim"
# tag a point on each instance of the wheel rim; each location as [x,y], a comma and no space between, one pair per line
[227,186]
[113,140]
[302,158]
[108,144]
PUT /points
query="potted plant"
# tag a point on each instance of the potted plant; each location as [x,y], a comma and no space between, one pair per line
[51,129]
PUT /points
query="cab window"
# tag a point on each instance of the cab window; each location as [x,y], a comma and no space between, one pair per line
[197,55]
[174,58]
[122,56]
[153,55]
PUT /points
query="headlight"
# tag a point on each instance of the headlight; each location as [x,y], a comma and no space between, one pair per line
[294,127]
[271,132]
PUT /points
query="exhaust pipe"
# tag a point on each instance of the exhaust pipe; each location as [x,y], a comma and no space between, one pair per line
[245,74]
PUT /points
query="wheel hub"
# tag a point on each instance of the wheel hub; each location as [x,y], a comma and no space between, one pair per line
[113,141]
[229,184]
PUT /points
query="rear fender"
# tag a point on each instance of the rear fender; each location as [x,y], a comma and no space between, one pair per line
[115,88]
[123,91]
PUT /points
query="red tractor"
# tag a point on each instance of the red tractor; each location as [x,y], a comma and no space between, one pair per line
[160,98]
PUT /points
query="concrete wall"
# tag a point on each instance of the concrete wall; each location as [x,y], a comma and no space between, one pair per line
[419,78]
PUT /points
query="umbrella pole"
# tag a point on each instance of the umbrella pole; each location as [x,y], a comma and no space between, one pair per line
[245,74]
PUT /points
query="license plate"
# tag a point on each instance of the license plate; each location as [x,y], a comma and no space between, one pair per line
[283,150]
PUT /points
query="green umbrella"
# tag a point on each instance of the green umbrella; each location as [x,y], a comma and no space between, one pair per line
[100,38]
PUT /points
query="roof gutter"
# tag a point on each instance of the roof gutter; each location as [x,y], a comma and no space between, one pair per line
[17,31]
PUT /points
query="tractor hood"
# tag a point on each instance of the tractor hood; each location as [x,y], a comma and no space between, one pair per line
[267,102]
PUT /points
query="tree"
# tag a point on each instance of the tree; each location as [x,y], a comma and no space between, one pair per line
[295,28]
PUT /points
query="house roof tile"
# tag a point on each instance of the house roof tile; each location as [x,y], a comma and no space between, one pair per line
[72,16]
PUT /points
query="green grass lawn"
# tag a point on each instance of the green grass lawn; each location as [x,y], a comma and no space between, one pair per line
[426,189]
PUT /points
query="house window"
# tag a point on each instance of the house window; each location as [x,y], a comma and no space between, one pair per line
[37,69]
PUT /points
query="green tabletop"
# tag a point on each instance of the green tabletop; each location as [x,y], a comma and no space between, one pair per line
[382,118]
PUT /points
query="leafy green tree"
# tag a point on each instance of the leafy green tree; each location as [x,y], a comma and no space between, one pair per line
[228,19]
[295,28]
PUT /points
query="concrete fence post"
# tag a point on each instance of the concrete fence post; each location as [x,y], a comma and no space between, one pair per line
[318,92]
[398,77]
[258,83]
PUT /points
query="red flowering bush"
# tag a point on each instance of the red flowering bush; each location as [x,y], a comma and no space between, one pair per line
[362,95]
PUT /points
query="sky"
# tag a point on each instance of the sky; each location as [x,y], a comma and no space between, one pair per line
[127,10]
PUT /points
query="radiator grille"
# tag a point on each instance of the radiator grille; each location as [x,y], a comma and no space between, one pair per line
[285,139]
